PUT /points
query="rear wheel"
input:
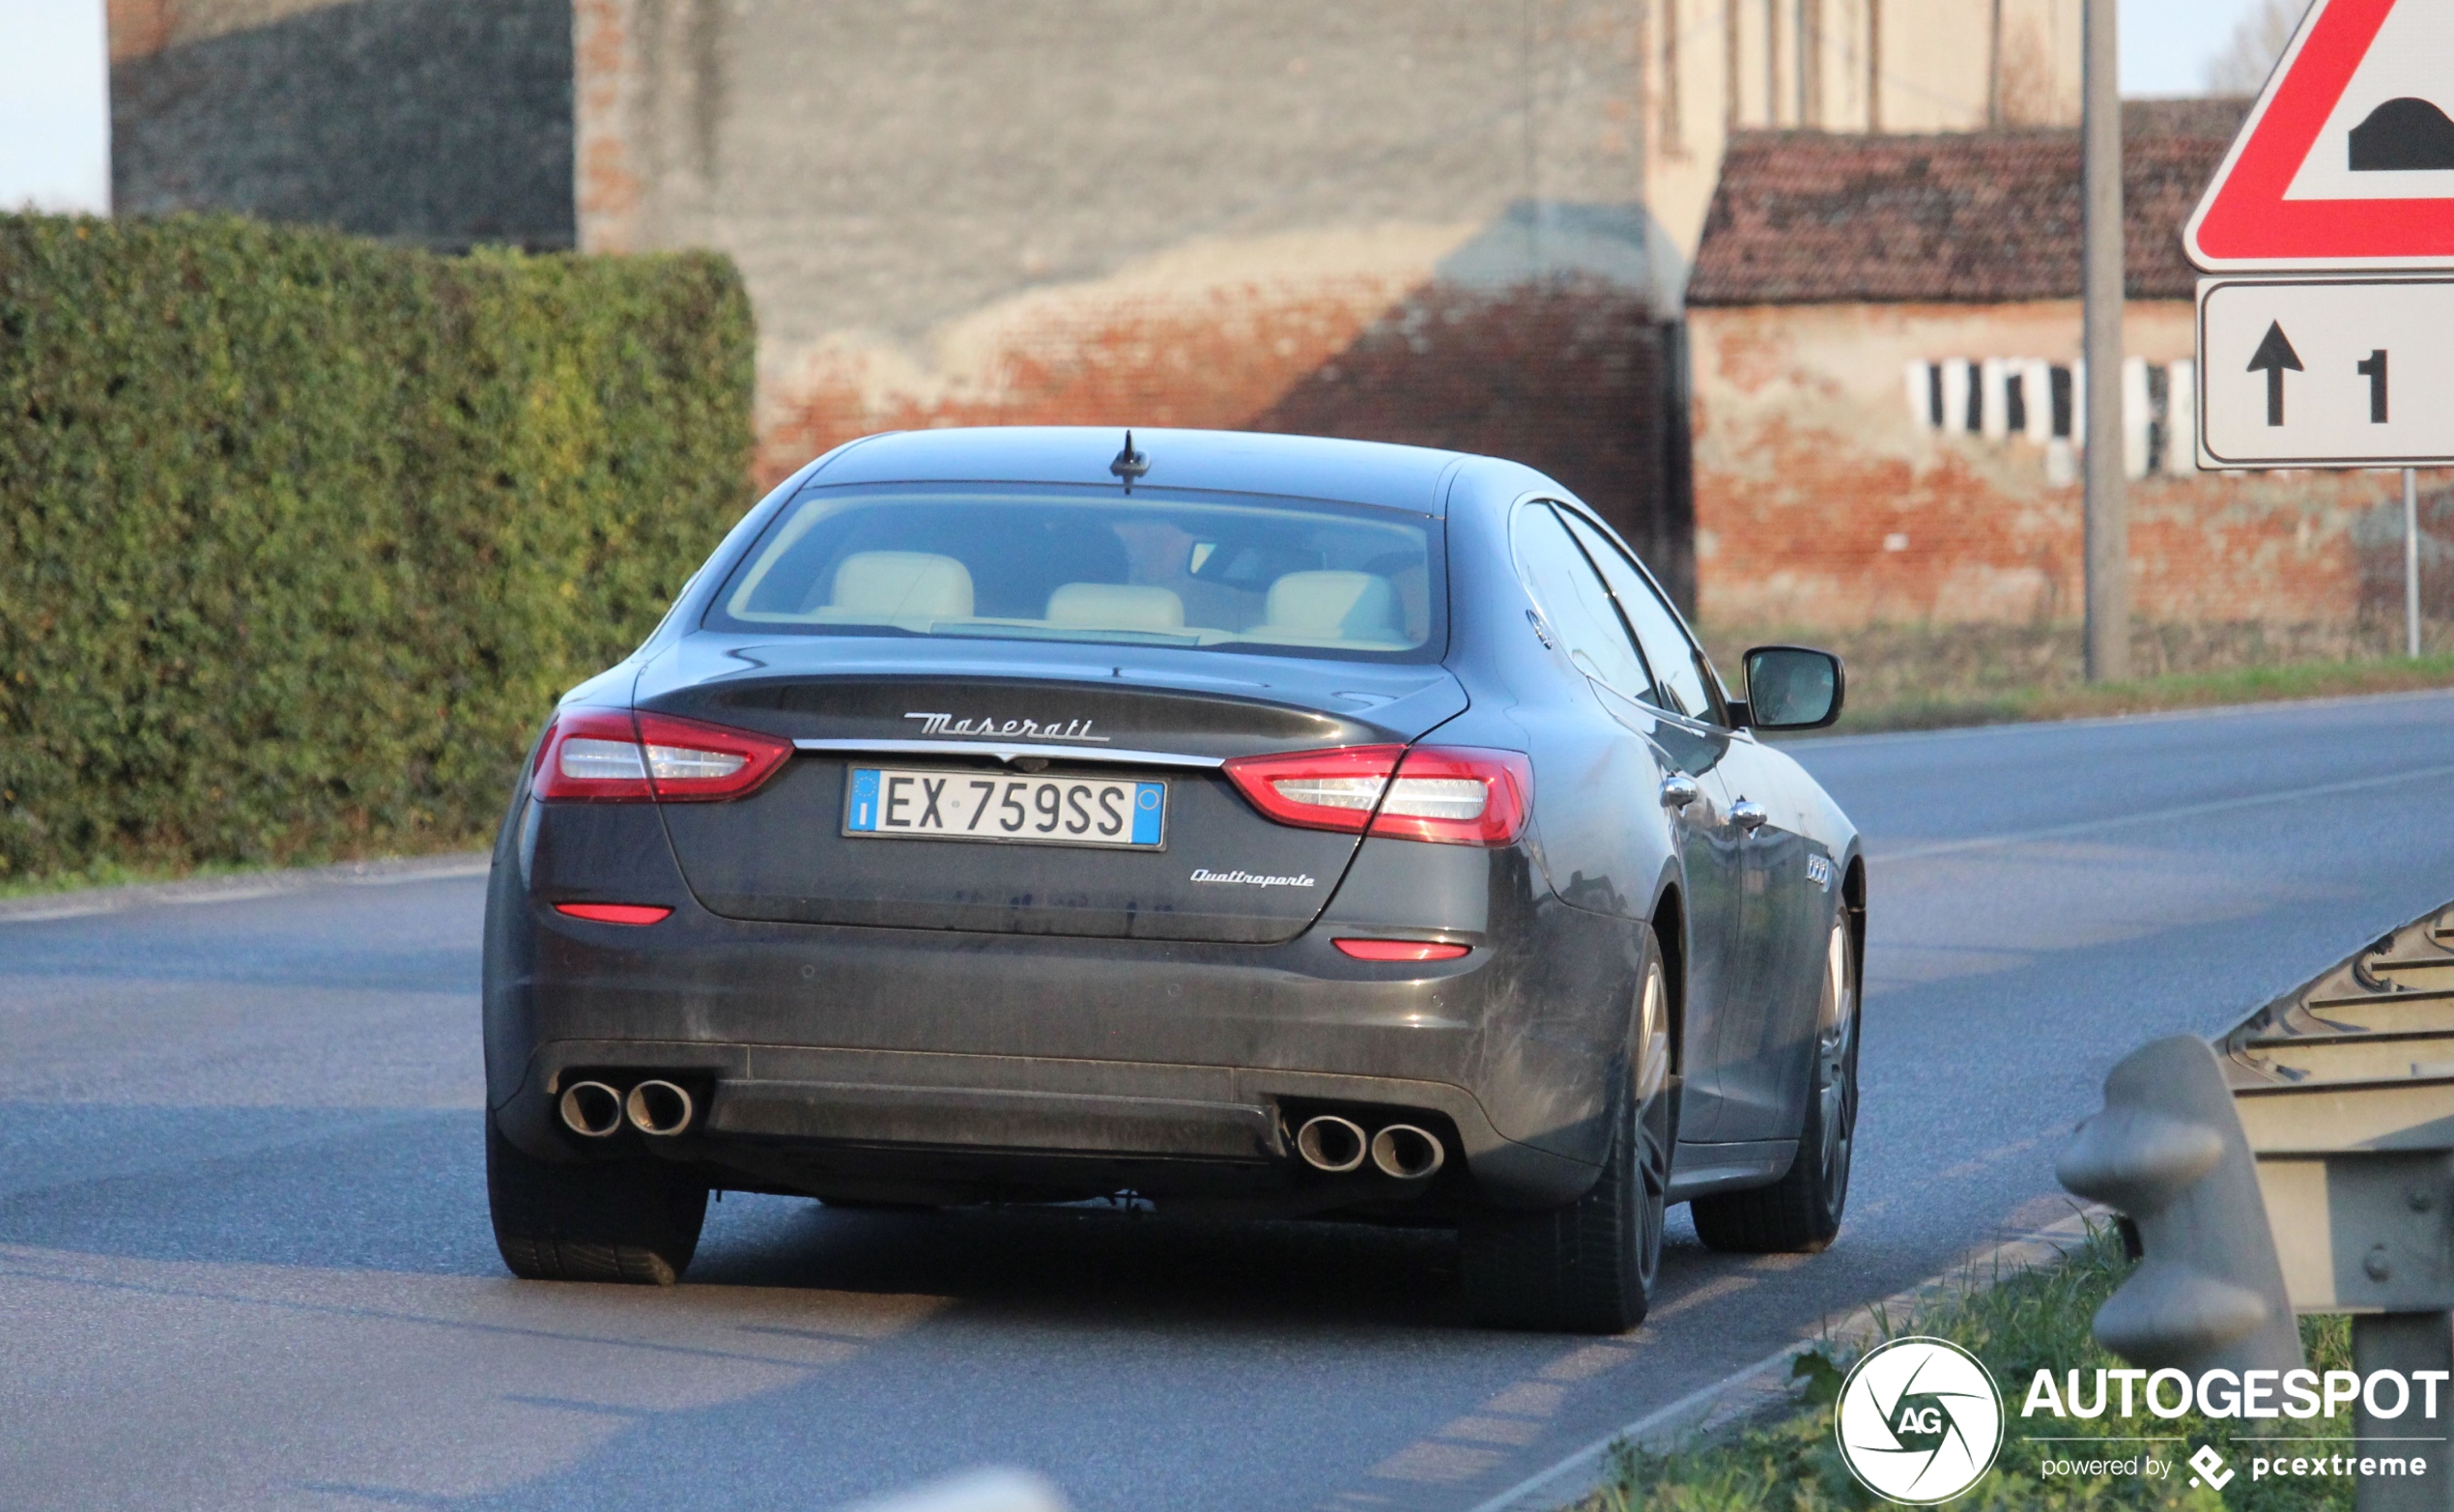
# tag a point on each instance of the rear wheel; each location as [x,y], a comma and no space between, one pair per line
[635,1222]
[1801,1213]
[1589,1267]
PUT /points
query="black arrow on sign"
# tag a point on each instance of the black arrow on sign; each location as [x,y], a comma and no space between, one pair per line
[2274,354]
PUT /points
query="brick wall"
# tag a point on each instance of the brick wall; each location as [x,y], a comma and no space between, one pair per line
[1567,375]
[1404,219]
[1824,498]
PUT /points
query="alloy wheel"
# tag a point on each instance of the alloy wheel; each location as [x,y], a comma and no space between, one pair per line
[1837,1064]
[1652,1132]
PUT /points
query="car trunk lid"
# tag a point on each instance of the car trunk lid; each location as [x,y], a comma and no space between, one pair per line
[1221,870]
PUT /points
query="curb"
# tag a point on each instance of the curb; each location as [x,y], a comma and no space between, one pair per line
[1752,1390]
[244,886]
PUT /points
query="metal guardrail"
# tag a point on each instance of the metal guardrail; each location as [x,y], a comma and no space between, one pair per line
[2304,1163]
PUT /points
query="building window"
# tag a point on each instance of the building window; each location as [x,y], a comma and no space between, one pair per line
[2032,400]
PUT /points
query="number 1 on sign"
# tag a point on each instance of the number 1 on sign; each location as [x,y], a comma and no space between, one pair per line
[2374,370]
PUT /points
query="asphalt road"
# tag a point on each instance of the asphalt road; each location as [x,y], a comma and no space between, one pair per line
[243,1254]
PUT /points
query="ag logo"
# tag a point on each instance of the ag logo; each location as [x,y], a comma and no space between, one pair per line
[1920,1420]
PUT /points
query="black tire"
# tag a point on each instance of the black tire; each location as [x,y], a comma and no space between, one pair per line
[1801,1213]
[1589,1267]
[633,1221]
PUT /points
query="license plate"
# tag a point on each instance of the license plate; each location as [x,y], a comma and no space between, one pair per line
[898,803]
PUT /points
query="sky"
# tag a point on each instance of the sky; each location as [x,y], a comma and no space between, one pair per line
[55,115]
[2166,44]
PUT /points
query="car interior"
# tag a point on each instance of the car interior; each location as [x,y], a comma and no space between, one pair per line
[1162,575]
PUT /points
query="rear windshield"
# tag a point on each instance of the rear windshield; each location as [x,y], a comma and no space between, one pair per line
[1293,577]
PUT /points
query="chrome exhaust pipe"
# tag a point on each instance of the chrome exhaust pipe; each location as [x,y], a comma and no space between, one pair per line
[1407,1152]
[659,1107]
[1331,1143]
[591,1109]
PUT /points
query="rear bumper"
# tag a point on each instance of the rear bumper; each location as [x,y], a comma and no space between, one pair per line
[835,1058]
[831,1055]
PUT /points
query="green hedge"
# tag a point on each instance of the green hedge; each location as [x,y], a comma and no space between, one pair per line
[300,535]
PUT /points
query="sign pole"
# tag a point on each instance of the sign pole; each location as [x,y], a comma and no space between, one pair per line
[2107,532]
[2411,562]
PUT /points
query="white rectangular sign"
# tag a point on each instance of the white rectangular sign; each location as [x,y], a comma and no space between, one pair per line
[2327,372]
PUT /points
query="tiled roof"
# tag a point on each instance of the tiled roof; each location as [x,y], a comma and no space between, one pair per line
[1979,217]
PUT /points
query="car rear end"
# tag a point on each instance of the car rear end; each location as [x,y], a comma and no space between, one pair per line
[1033,841]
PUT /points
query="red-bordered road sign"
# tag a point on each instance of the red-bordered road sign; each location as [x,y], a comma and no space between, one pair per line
[2347,160]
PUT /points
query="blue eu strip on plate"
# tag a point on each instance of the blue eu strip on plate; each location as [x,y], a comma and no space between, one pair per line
[864,800]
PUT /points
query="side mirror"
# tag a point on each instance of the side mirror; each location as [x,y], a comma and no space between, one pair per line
[1793,687]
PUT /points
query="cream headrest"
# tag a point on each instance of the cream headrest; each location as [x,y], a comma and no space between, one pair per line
[1353,606]
[904,586]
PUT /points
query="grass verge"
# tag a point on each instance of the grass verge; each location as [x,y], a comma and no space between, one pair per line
[2036,1320]
[2153,695]
[112,873]
[1929,676]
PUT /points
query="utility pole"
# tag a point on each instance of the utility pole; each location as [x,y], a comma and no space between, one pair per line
[2411,562]
[2108,521]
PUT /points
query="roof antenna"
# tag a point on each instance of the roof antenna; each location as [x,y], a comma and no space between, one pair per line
[1130,464]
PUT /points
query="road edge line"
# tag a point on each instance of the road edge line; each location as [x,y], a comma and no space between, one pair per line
[88,903]
[1713,1407]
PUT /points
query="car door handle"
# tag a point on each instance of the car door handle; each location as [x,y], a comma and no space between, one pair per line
[1748,816]
[1678,790]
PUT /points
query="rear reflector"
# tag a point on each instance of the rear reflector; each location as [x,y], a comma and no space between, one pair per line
[614,913]
[616,756]
[1400,950]
[1456,795]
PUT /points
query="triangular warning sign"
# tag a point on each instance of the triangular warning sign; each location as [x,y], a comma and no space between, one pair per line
[2347,160]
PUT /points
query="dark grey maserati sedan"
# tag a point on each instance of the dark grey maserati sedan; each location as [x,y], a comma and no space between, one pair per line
[1257,824]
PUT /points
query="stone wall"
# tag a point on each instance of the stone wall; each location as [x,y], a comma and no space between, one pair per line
[1822,501]
[436,122]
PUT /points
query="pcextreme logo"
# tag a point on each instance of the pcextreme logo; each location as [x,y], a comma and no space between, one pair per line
[1918,1421]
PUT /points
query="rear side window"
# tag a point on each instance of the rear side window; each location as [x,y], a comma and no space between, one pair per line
[1290,577]
[1679,674]
[1574,602]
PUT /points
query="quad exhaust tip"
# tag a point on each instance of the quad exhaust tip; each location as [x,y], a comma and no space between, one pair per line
[1331,1143]
[659,1107]
[1401,1151]
[591,1109]
[1407,1152]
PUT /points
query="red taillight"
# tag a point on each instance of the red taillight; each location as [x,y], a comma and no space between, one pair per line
[1461,796]
[615,913]
[616,756]
[1318,789]
[1400,950]
[1457,795]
